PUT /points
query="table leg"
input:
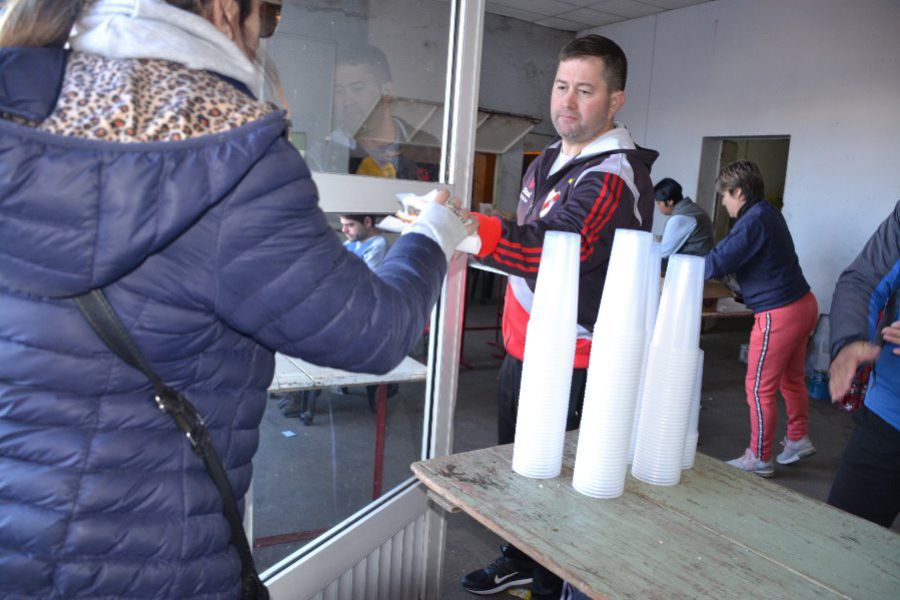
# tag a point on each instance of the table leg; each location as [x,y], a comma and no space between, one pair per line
[462,341]
[379,441]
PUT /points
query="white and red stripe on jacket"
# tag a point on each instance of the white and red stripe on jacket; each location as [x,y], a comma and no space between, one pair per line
[592,194]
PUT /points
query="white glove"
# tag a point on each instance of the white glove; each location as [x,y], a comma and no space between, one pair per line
[442,225]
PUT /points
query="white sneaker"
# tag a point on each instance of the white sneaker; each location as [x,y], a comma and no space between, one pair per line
[794,451]
[749,462]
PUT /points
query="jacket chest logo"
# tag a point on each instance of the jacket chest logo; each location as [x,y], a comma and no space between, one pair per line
[527,192]
[549,202]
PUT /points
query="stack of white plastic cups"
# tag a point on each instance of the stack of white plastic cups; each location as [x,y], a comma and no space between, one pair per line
[671,375]
[653,275]
[548,360]
[614,374]
[693,432]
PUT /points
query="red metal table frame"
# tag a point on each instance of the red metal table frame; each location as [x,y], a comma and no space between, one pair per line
[295,375]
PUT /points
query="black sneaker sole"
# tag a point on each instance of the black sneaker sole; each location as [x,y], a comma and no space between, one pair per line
[500,586]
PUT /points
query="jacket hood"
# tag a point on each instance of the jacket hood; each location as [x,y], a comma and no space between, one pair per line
[617,139]
[157,29]
[76,214]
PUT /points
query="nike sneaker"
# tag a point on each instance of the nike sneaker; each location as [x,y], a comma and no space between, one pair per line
[503,573]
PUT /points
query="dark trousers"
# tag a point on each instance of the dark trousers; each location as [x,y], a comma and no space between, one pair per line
[867,482]
[508,400]
[544,582]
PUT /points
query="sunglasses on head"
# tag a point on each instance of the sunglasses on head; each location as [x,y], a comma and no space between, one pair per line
[269,15]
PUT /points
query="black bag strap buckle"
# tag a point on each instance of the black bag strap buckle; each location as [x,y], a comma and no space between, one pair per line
[185,416]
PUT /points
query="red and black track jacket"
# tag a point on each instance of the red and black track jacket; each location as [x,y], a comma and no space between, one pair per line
[605,188]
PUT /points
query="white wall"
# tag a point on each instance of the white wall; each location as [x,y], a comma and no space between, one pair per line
[414,34]
[825,72]
[518,64]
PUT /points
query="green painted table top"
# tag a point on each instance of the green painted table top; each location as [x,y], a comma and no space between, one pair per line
[720,533]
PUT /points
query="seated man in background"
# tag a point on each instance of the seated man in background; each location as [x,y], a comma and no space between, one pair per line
[363,239]
[689,229]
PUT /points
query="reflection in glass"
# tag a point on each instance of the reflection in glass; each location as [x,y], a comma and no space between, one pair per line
[368,136]
[328,447]
[364,81]
[308,478]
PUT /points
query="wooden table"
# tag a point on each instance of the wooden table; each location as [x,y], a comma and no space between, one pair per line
[720,533]
[719,302]
[296,375]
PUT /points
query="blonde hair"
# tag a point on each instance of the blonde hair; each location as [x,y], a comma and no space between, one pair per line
[38,22]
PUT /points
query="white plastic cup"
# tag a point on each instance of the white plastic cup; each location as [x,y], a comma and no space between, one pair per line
[693,433]
[615,370]
[678,320]
[622,307]
[548,359]
[651,309]
[665,415]
[612,383]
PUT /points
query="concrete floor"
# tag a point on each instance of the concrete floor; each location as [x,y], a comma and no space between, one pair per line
[310,478]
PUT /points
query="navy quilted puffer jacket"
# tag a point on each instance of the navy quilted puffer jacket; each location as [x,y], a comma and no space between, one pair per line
[214,253]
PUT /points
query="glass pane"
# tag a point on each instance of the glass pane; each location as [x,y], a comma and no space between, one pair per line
[498,133]
[364,81]
[329,444]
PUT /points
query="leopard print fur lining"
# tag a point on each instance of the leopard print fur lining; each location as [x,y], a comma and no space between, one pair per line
[146,100]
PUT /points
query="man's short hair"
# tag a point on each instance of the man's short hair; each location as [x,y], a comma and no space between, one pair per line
[743,174]
[368,56]
[615,64]
[359,218]
[668,189]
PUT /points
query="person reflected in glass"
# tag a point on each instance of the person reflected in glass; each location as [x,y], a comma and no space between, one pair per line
[368,138]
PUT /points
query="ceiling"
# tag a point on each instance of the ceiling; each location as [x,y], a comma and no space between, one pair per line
[578,15]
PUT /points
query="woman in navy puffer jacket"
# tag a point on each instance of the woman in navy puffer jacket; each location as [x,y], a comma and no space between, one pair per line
[137,162]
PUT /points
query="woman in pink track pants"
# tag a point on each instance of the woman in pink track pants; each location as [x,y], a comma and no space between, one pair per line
[760,253]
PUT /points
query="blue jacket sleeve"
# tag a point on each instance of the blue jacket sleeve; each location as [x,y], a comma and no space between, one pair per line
[737,249]
[284,278]
[863,289]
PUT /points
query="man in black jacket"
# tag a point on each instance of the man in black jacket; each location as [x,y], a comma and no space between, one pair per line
[592,180]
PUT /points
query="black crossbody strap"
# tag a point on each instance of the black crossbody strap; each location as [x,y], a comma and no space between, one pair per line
[106,323]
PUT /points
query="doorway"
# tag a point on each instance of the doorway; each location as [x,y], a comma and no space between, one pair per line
[770,153]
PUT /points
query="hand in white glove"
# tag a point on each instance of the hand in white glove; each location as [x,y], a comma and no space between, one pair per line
[445,222]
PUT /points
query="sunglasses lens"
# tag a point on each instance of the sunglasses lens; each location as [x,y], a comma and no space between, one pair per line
[269,15]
